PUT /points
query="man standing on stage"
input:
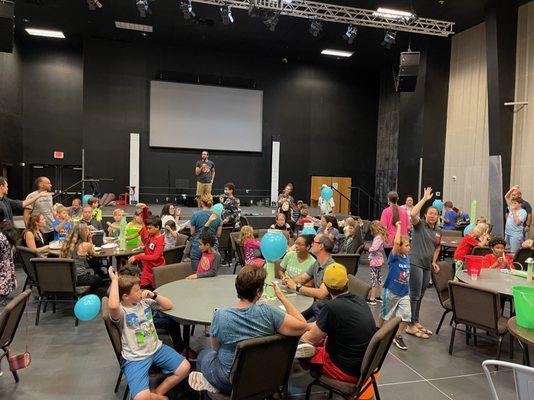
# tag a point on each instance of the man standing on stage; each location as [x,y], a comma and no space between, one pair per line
[205,172]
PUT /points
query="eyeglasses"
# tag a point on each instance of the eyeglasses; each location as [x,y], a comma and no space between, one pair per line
[315,241]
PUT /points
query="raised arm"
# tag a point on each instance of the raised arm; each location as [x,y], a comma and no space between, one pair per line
[508,195]
[114,300]
[414,214]
[397,240]
[28,202]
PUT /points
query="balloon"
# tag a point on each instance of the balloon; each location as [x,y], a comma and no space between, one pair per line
[273,245]
[86,198]
[87,307]
[438,204]
[468,228]
[217,209]
[327,193]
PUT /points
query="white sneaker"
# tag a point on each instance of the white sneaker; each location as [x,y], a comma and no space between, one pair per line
[198,382]
[305,350]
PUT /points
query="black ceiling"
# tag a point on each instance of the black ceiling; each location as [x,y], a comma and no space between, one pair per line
[291,38]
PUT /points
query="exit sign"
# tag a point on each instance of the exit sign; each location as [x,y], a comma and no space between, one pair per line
[58,154]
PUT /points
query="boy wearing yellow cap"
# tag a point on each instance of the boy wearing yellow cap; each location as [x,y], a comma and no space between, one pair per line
[343,329]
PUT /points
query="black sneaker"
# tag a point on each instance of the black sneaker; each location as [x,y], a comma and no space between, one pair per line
[399,342]
[379,299]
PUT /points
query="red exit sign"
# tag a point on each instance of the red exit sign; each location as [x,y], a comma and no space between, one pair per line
[58,154]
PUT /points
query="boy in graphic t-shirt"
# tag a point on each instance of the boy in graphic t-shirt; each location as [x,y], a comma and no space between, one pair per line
[210,259]
[396,302]
[131,309]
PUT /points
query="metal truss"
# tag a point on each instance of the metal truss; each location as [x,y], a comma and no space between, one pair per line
[341,14]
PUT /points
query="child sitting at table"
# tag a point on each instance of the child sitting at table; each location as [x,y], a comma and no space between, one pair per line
[154,243]
[281,223]
[95,205]
[114,229]
[170,234]
[498,259]
[134,227]
[478,236]
[251,247]
[210,258]
[62,225]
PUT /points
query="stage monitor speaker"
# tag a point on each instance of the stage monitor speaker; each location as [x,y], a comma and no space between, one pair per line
[408,70]
[7,14]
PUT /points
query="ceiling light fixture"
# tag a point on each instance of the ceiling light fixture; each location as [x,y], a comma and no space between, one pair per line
[315,28]
[271,21]
[143,8]
[389,13]
[93,4]
[134,27]
[187,9]
[45,33]
[389,39]
[351,34]
[337,53]
[226,15]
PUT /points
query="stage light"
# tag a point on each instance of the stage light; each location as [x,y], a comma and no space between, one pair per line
[388,13]
[93,4]
[351,34]
[187,9]
[45,33]
[337,53]
[271,21]
[315,28]
[389,39]
[143,8]
[226,15]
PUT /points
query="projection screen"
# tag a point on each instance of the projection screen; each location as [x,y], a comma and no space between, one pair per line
[205,117]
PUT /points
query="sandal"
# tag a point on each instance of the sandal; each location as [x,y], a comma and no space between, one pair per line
[198,382]
[418,334]
[424,330]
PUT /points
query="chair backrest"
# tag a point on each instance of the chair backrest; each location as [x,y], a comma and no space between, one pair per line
[523,377]
[243,221]
[521,256]
[55,275]
[10,318]
[350,261]
[360,249]
[112,330]
[359,287]
[274,354]
[441,279]
[454,233]
[474,306]
[27,254]
[181,239]
[171,273]
[376,352]
[174,254]
[480,251]
[224,240]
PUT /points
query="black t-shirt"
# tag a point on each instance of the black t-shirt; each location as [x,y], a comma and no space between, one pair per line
[349,324]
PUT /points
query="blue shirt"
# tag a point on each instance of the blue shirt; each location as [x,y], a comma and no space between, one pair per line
[399,274]
[452,218]
[199,219]
[64,232]
[232,325]
[512,229]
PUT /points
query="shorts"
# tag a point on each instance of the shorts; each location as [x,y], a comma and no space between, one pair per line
[136,372]
[203,188]
[376,276]
[396,306]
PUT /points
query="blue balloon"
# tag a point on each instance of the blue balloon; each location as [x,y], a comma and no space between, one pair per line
[468,228]
[86,198]
[308,230]
[87,307]
[217,209]
[273,246]
[438,204]
[327,193]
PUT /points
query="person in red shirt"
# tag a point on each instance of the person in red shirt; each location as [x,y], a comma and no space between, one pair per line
[477,237]
[154,244]
[497,259]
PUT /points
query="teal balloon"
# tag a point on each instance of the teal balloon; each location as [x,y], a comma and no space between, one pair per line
[327,193]
[468,228]
[273,246]
[217,209]
[87,307]
[438,204]
[308,230]
[86,198]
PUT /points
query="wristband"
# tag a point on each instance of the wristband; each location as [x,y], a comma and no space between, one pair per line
[154,296]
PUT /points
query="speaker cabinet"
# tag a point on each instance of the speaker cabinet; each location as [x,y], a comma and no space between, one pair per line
[408,70]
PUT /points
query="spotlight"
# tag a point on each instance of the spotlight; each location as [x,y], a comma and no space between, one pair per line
[351,34]
[271,21]
[226,15]
[315,28]
[187,9]
[93,4]
[142,7]
[389,39]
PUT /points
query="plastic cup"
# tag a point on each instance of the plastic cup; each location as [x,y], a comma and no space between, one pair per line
[474,276]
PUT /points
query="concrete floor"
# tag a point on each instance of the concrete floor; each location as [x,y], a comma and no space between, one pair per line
[79,363]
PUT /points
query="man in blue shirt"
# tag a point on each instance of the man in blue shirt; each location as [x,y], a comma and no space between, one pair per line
[449,217]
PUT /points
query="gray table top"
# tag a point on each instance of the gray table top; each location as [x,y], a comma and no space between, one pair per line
[194,301]
[495,280]
[523,334]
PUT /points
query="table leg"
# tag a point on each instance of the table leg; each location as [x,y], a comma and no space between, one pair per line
[186,336]
[526,357]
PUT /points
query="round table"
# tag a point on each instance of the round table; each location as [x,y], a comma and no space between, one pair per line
[495,280]
[524,336]
[104,253]
[194,301]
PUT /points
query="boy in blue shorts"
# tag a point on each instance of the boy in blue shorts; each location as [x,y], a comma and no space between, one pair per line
[131,309]
[396,301]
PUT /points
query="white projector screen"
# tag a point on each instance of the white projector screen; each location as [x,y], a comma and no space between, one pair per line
[205,117]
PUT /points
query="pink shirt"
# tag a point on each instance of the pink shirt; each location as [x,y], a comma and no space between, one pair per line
[387,220]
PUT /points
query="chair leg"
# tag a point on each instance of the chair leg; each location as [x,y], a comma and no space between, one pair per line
[441,321]
[499,345]
[475,336]
[308,390]
[16,376]
[450,322]
[54,305]
[45,305]
[511,346]
[38,311]
[375,387]
[126,393]
[453,333]
[119,379]
[193,330]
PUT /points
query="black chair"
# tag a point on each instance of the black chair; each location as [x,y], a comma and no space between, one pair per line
[56,283]
[237,249]
[181,239]
[350,261]
[480,251]
[26,254]
[243,221]
[224,242]
[9,321]
[274,354]
[373,359]
[441,283]
[359,287]
[174,254]
[170,273]
[521,256]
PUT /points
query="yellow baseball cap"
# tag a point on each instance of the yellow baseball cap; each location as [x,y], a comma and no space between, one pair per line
[335,276]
